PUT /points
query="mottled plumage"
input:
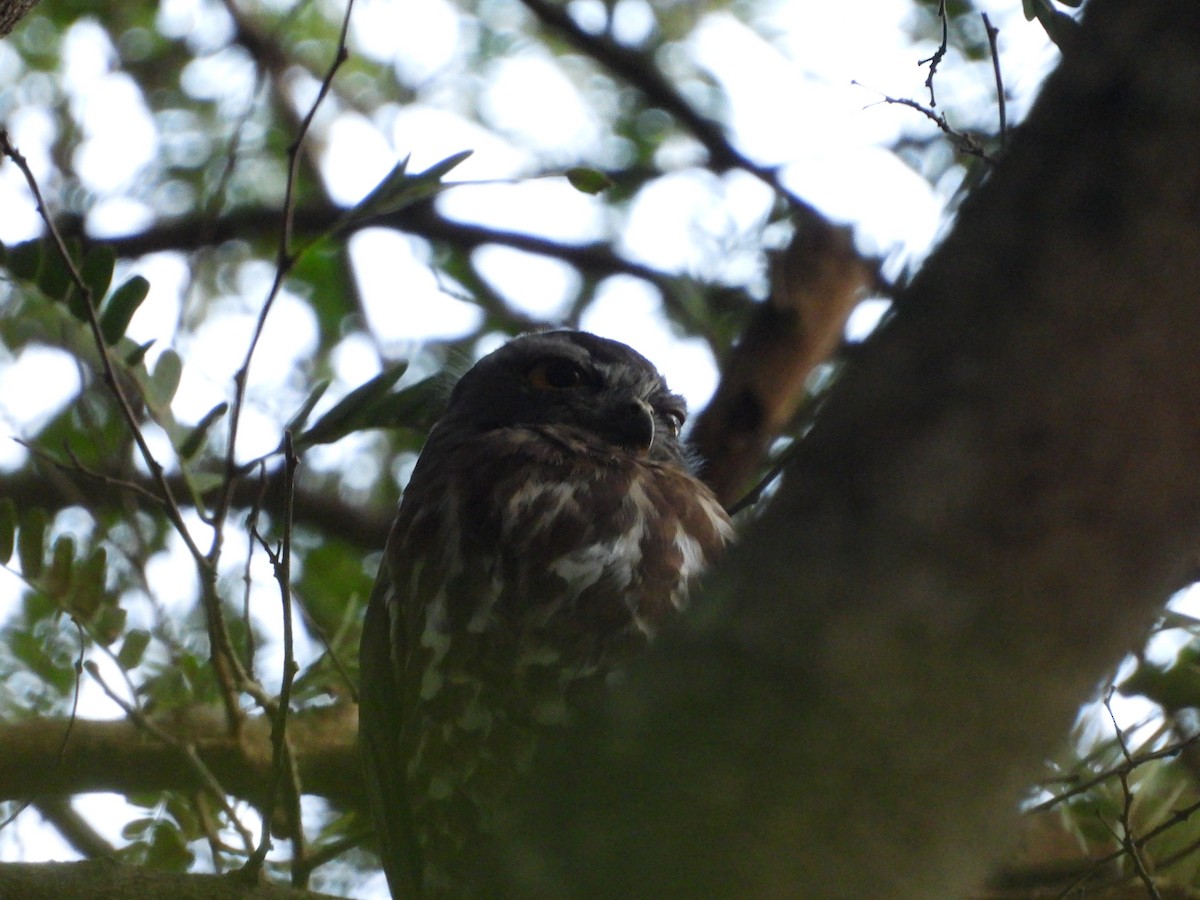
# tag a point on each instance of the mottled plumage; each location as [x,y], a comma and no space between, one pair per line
[550,527]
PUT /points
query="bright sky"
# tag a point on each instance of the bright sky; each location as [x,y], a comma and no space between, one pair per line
[793,105]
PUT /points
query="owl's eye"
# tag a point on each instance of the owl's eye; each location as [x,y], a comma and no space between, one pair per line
[555,375]
[674,419]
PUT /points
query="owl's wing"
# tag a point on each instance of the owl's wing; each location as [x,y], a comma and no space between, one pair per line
[380,725]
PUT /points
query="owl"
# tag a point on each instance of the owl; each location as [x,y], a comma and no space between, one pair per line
[552,524]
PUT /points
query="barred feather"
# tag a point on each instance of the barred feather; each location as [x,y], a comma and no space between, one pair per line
[526,562]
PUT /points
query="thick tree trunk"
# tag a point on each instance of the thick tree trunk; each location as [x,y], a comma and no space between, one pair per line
[995,501]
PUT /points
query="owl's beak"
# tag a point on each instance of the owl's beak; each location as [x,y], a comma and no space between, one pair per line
[633,426]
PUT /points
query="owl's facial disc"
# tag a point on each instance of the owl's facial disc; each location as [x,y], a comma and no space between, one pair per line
[575,379]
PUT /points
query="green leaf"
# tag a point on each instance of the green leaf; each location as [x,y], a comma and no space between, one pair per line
[32,653]
[167,849]
[8,528]
[398,189]
[31,542]
[120,307]
[62,563]
[1173,687]
[54,275]
[109,623]
[200,483]
[199,434]
[88,587]
[165,380]
[136,356]
[97,270]
[588,181]
[133,648]
[297,422]
[351,412]
[24,259]
[95,566]
[417,406]
[137,828]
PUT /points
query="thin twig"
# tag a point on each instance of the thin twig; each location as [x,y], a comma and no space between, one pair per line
[327,852]
[233,473]
[284,261]
[194,762]
[62,747]
[755,494]
[935,60]
[248,581]
[962,141]
[1127,838]
[638,70]
[78,467]
[1128,766]
[7,148]
[220,647]
[314,627]
[282,759]
[1176,818]
[992,34]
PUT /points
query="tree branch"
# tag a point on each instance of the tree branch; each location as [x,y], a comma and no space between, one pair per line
[316,507]
[816,283]
[421,219]
[117,756]
[74,827]
[100,880]
[996,499]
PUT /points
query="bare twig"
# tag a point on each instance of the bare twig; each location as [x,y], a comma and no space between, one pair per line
[1127,837]
[755,494]
[197,766]
[77,466]
[220,647]
[638,70]
[229,668]
[992,34]
[284,262]
[282,759]
[1128,766]
[935,60]
[962,141]
[328,852]
[7,148]
[247,579]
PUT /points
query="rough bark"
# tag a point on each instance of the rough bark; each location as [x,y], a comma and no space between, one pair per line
[11,12]
[997,498]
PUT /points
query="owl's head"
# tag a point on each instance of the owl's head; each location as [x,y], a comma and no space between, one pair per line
[601,388]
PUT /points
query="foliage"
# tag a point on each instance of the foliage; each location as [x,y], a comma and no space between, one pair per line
[135,474]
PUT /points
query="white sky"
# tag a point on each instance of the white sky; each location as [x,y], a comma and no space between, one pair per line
[793,105]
